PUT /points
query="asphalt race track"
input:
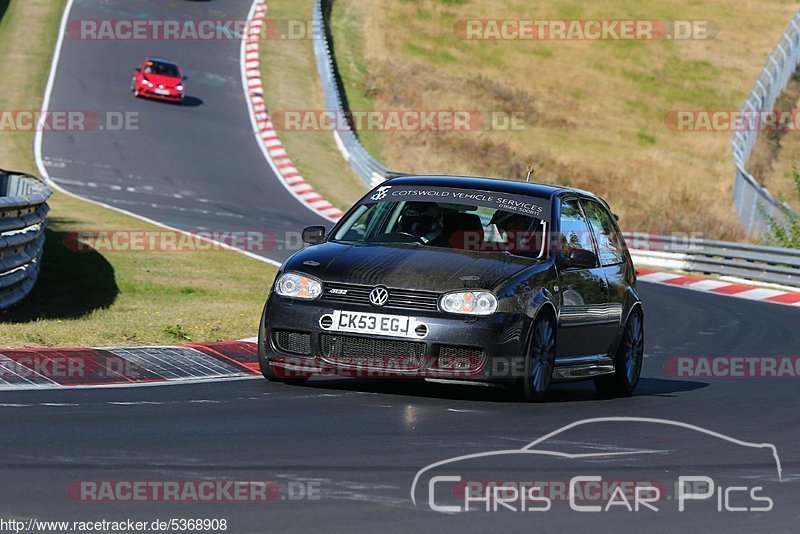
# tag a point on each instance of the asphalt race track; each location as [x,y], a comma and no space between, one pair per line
[362,442]
[342,452]
[195,166]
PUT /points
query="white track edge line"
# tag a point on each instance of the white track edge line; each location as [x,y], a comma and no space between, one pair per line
[254,119]
[166,382]
[37,154]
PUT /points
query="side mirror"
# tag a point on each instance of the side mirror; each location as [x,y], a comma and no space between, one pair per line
[313,235]
[138,69]
[581,259]
[184,77]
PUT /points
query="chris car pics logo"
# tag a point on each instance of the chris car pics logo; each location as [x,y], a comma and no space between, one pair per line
[447,491]
[381,193]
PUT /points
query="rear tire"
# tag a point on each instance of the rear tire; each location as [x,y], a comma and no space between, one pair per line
[627,360]
[269,370]
[539,360]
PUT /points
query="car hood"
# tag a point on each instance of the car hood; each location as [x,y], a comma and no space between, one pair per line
[408,267]
[166,81]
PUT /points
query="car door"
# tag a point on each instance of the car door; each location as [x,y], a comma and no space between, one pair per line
[584,328]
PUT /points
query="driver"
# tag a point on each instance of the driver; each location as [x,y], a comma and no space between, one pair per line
[423,220]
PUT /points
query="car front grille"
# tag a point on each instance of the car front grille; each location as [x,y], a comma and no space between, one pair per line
[292,342]
[459,358]
[388,354]
[398,298]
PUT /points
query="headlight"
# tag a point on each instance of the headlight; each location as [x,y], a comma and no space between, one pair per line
[179,87]
[298,286]
[148,83]
[469,302]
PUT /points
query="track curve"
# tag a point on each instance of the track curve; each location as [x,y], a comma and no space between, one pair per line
[196,166]
[361,442]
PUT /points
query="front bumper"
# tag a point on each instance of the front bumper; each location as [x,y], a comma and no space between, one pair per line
[149,92]
[455,347]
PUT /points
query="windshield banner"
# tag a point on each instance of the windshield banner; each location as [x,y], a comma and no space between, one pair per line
[531,206]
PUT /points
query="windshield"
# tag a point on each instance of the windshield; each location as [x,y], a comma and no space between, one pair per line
[162,69]
[472,223]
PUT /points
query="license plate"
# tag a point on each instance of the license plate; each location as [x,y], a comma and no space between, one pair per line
[164,92]
[373,323]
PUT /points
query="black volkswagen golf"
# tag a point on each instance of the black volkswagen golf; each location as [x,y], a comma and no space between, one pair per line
[460,278]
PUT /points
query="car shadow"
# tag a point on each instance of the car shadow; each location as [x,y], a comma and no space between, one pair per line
[462,391]
[71,283]
[191,102]
[188,101]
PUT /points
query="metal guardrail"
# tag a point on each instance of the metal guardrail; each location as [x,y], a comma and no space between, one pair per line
[762,264]
[752,201]
[773,265]
[23,217]
[351,148]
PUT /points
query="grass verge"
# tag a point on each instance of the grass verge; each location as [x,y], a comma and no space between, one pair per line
[291,83]
[110,298]
[28,32]
[130,297]
[594,111]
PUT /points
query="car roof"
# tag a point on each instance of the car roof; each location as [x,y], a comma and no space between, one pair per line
[486,184]
[161,60]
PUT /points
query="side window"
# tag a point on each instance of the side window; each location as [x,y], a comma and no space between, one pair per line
[609,241]
[574,232]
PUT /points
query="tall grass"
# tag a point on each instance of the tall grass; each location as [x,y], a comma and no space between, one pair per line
[594,111]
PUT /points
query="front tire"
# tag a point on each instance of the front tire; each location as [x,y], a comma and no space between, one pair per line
[269,370]
[540,359]
[627,360]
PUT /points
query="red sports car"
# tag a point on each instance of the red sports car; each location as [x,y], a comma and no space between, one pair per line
[158,78]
